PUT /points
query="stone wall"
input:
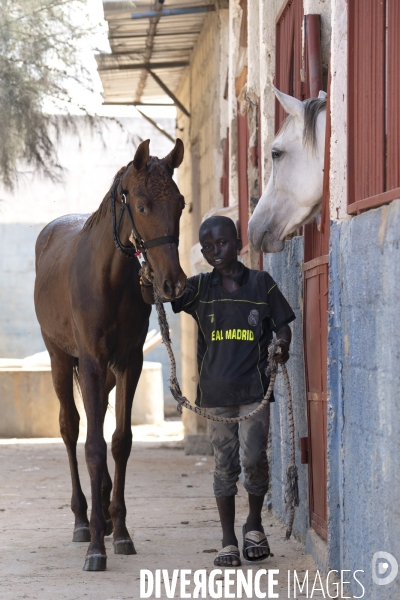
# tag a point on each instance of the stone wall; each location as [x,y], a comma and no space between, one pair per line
[286,269]
[364,384]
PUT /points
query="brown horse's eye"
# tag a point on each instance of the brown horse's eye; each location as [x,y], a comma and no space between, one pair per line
[141,209]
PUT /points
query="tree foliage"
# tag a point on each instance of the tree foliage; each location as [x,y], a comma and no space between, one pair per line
[39,58]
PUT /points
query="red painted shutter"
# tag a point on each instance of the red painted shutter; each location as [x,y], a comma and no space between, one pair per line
[243,146]
[393,96]
[288,56]
[373,103]
[224,185]
[366,98]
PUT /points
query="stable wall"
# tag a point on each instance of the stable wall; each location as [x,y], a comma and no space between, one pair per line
[364,403]
[286,269]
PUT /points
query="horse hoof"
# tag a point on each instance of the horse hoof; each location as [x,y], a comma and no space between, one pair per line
[95,562]
[109,527]
[124,547]
[81,534]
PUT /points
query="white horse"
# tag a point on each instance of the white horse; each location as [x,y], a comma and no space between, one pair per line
[293,195]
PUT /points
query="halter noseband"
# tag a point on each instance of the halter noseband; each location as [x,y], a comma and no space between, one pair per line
[139,245]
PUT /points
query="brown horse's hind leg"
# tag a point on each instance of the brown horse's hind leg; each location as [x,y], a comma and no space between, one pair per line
[92,379]
[121,449]
[62,372]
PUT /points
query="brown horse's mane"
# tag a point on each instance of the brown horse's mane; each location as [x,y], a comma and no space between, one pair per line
[104,205]
[152,164]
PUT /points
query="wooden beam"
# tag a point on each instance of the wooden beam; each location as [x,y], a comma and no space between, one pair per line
[112,37]
[173,12]
[139,66]
[151,34]
[125,103]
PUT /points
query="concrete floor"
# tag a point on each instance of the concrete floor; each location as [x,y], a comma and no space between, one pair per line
[171,516]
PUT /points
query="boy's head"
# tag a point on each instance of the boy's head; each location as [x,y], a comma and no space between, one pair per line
[219,242]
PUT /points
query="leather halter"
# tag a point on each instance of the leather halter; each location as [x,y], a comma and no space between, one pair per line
[138,244]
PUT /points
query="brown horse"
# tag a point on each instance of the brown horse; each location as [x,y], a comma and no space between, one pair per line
[93,319]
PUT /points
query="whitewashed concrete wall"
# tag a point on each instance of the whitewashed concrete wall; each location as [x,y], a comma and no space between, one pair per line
[338,171]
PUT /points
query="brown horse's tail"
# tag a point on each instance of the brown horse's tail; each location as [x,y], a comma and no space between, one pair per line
[76,375]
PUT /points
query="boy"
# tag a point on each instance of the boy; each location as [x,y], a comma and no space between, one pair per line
[236,310]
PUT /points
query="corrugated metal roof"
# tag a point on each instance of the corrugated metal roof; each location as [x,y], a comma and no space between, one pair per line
[123,75]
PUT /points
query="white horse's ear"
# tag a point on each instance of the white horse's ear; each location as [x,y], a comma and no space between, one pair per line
[322,95]
[290,104]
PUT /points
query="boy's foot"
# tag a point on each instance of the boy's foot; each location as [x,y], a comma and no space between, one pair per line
[228,557]
[255,545]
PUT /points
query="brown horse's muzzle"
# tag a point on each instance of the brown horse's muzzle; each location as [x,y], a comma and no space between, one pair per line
[172,290]
[169,278]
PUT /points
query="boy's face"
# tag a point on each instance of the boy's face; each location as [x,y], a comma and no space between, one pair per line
[220,247]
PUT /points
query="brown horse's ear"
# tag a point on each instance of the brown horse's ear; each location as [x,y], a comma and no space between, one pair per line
[142,155]
[175,157]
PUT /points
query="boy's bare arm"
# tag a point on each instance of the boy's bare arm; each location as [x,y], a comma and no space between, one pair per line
[284,334]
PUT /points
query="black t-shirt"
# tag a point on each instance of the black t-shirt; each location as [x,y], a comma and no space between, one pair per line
[235,330]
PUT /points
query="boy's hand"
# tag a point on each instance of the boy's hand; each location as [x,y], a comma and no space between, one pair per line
[284,337]
[283,356]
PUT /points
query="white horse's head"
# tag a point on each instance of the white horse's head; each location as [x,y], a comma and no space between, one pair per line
[294,192]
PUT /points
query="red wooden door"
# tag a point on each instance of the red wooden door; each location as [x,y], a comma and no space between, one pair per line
[316,246]
[243,147]
[315,323]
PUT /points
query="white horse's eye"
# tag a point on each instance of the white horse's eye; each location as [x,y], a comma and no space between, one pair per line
[276,153]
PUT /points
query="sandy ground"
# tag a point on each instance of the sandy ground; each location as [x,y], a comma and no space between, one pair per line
[171,516]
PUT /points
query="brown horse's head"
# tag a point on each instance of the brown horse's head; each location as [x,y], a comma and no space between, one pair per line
[156,206]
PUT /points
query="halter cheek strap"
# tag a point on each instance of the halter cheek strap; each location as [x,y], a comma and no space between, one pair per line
[139,245]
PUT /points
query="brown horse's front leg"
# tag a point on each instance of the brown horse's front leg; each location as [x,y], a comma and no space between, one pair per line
[92,377]
[106,486]
[121,449]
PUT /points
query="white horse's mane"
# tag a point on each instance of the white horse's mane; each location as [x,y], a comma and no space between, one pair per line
[293,194]
[312,108]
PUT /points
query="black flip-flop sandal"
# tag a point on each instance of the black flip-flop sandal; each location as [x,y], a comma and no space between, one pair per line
[232,551]
[254,539]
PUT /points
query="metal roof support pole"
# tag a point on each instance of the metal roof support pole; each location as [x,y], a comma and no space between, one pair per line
[168,92]
[151,33]
[156,125]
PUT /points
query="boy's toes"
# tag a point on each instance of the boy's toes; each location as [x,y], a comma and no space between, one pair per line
[228,557]
[255,545]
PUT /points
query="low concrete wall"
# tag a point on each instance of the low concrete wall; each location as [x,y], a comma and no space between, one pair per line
[28,404]
[364,383]
[285,268]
